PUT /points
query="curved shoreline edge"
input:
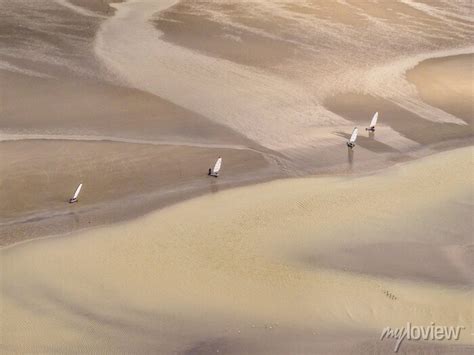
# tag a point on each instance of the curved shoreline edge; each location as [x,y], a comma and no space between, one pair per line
[278,255]
[393,168]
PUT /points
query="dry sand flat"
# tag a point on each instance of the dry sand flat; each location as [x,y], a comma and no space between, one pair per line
[209,274]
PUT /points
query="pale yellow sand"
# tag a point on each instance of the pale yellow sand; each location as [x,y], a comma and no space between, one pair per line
[231,268]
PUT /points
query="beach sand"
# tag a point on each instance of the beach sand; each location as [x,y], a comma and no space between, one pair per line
[137,99]
[121,180]
[258,269]
[81,107]
[449,85]
[140,145]
[243,88]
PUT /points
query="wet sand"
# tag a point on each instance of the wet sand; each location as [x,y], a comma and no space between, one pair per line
[121,180]
[450,84]
[98,6]
[70,116]
[128,147]
[80,105]
[93,108]
[137,100]
[244,267]
[444,83]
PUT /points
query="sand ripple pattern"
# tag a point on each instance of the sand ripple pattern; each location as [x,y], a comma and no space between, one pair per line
[344,46]
[208,270]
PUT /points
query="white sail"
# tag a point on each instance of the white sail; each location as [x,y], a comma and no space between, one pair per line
[374,120]
[217,167]
[354,135]
[77,191]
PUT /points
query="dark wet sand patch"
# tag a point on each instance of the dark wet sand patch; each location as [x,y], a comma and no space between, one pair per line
[447,83]
[188,27]
[360,108]
[87,107]
[99,6]
[120,181]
